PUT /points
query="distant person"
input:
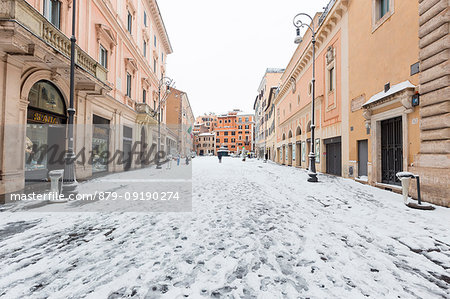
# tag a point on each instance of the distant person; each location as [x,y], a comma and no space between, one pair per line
[169,162]
[178,160]
[187,160]
[219,155]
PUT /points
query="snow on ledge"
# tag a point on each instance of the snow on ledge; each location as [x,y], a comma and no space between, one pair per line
[394,89]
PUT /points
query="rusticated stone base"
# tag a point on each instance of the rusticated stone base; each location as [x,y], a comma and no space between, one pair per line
[434,185]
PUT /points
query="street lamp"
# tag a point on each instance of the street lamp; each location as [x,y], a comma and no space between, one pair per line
[165,83]
[70,183]
[298,39]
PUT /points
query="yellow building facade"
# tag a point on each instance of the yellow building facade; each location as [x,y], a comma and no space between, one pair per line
[383,76]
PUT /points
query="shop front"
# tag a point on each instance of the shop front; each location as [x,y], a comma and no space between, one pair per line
[100,144]
[45,131]
[333,155]
[127,147]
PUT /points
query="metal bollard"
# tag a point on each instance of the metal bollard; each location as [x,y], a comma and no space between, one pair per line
[418,189]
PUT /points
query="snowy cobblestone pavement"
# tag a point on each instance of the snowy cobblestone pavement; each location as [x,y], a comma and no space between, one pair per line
[256,231]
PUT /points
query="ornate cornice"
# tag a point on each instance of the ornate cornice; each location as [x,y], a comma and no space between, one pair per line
[160,26]
[330,22]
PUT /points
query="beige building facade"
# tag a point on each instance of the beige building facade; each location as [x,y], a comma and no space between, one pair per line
[206,144]
[264,108]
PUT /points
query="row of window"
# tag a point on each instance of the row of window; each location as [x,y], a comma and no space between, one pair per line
[204,145]
[232,146]
[233,133]
[225,140]
[230,120]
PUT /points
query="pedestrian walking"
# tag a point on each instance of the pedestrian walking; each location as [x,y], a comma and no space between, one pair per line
[178,160]
[169,162]
[187,160]
[219,155]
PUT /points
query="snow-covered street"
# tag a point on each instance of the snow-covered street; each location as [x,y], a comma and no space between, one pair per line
[256,230]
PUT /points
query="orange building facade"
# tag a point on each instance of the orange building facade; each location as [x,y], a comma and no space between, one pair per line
[235,130]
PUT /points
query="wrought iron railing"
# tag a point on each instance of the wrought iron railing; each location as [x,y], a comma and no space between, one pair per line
[326,11]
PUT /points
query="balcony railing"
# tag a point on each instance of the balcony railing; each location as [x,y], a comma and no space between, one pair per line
[144,108]
[326,11]
[36,23]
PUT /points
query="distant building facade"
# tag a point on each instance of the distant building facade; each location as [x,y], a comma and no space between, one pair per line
[264,110]
[180,120]
[206,144]
[235,130]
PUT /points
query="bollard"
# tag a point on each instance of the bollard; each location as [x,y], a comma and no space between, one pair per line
[405,178]
[418,189]
[56,180]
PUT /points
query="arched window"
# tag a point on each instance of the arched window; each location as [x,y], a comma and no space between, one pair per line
[308,127]
[299,131]
[284,137]
[290,134]
[45,96]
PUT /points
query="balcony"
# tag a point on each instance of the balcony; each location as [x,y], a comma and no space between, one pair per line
[146,114]
[33,21]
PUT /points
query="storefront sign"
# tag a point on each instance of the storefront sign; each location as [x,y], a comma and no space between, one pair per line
[41,117]
[101,131]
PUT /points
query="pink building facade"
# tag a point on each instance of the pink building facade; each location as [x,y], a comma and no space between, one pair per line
[122,46]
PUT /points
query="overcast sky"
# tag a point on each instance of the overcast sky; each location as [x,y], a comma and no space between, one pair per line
[222,48]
